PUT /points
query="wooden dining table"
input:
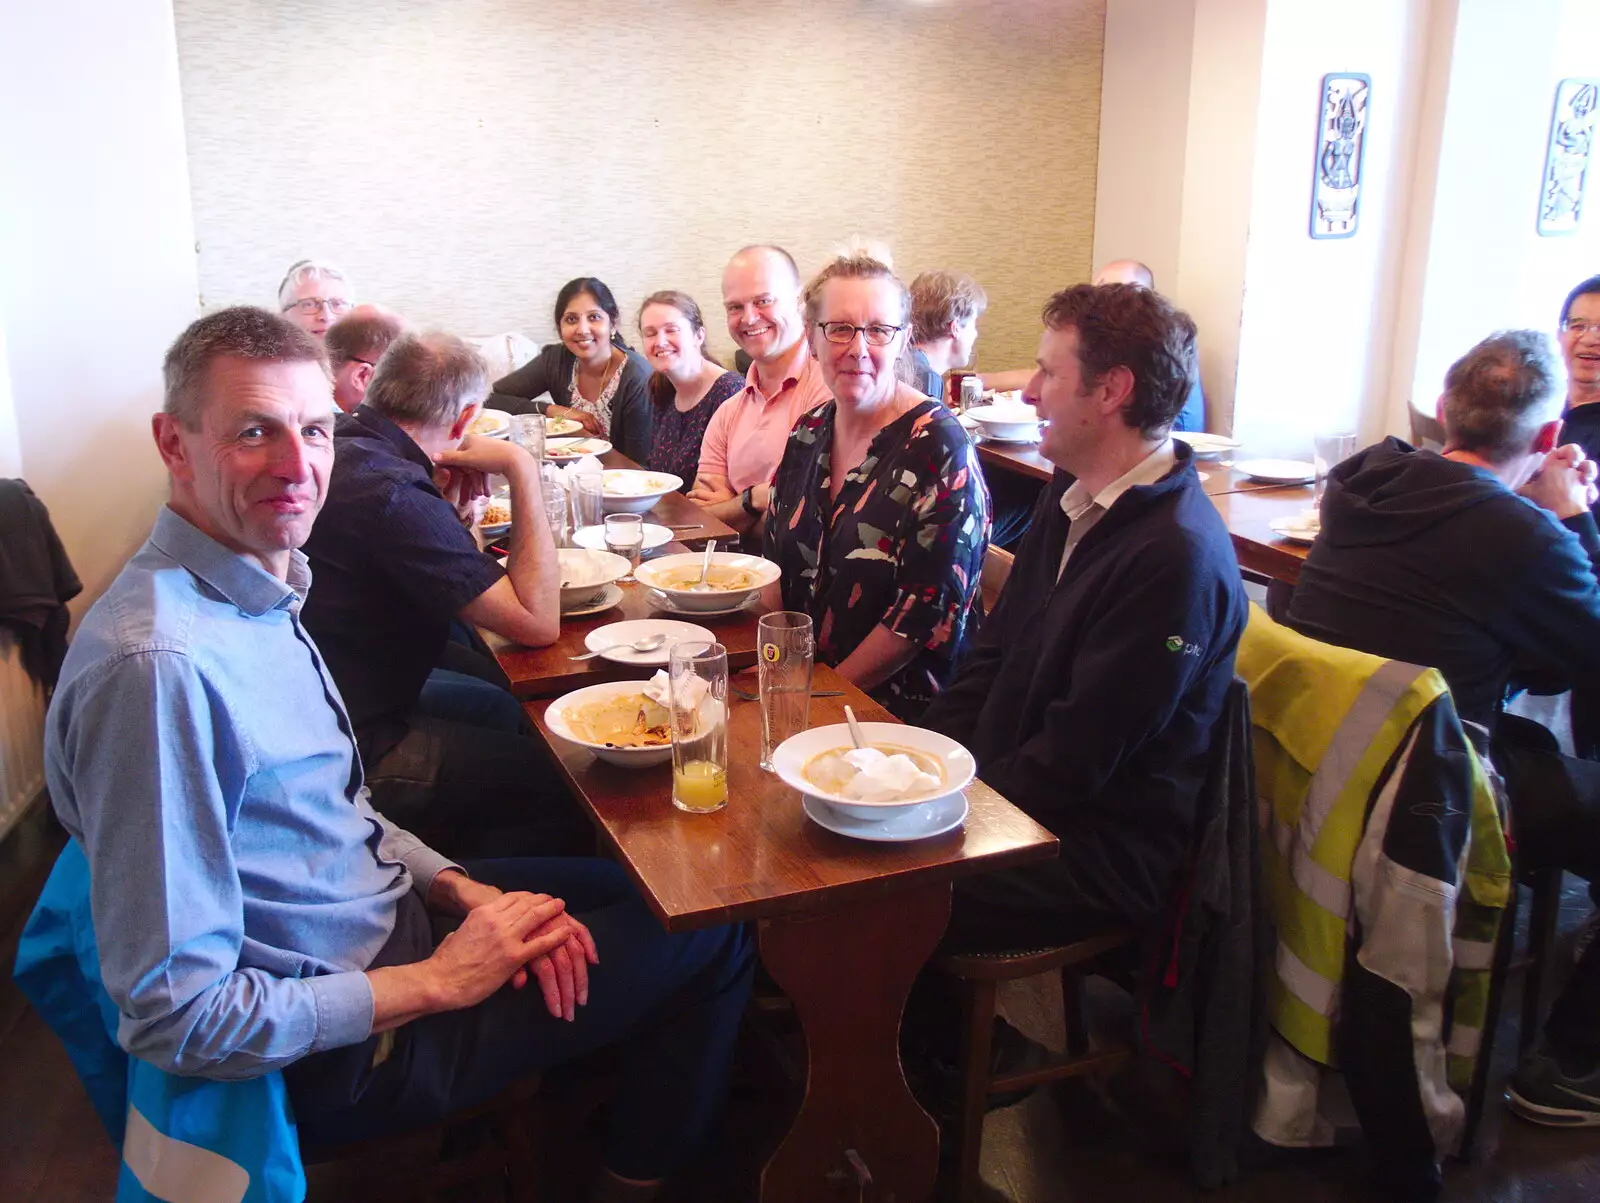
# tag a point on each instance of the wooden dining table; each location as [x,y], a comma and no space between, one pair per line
[843,926]
[1216,476]
[1248,515]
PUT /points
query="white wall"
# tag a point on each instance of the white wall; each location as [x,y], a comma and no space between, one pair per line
[97,269]
[1486,267]
[464,160]
[1317,321]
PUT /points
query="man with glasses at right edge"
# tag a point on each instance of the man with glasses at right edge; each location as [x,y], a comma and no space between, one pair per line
[315,295]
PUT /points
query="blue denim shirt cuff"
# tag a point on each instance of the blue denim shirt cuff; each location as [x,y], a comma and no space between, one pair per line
[425,864]
[344,1009]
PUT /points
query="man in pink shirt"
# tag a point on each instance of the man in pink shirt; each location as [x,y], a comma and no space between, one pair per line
[746,437]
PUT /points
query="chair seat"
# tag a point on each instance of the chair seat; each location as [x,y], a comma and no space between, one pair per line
[1028,962]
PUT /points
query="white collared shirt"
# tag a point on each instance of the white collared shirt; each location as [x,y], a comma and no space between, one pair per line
[1086,509]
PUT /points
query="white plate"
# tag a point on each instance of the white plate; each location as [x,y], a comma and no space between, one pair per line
[555,427]
[1277,471]
[610,596]
[917,822]
[666,605]
[791,756]
[1287,528]
[492,424]
[636,491]
[565,449]
[614,633]
[1205,445]
[594,537]
[630,758]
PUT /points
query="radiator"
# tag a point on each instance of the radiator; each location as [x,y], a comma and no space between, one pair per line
[21,734]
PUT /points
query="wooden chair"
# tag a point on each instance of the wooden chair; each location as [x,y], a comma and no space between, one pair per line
[996,570]
[420,1166]
[1427,433]
[977,976]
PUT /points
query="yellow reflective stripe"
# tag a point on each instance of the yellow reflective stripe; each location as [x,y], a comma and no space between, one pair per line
[1315,882]
[1301,1027]
[1464,1041]
[1306,984]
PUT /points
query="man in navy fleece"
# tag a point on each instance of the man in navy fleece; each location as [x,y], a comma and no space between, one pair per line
[1480,561]
[1091,695]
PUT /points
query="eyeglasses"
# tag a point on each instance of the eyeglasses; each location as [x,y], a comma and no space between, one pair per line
[338,306]
[843,333]
[1573,326]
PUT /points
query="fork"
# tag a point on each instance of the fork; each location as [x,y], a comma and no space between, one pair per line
[750,695]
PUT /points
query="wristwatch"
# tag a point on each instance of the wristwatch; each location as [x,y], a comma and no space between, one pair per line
[747,499]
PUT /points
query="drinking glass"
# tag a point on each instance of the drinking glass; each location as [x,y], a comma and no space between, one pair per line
[697,675]
[625,538]
[527,432]
[784,651]
[555,509]
[588,500]
[1329,450]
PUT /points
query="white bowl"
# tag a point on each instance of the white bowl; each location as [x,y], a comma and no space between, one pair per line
[491,423]
[634,491]
[1006,422]
[790,758]
[657,571]
[629,758]
[584,573]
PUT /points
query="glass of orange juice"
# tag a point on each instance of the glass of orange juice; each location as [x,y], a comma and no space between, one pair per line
[697,675]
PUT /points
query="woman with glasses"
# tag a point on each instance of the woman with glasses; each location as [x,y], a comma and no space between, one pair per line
[315,295]
[879,515]
[688,386]
[591,375]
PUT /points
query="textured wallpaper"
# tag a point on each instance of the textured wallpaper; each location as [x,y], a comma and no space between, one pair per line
[463,159]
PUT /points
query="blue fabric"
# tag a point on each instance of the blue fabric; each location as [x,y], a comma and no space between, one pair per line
[248,1123]
[1193,416]
[394,567]
[199,751]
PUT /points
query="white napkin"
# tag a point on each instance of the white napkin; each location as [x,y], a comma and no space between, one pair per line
[1306,522]
[659,690]
[881,778]
[566,472]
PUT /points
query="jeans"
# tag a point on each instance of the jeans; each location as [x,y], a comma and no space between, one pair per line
[458,697]
[671,1003]
[1555,821]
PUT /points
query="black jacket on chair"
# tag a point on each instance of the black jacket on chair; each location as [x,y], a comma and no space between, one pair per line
[36,581]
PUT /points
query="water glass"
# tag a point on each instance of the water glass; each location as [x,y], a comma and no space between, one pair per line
[527,432]
[625,538]
[1329,450]
[555,510]
[588,499]
[784,654]
[697,675]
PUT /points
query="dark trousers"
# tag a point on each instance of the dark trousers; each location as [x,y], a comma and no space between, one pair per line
[1555,821]
[1032,906]
[471,790]
[671,1003]
[1012,498]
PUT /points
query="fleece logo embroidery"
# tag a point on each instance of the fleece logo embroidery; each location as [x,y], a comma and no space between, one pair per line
[1177,643]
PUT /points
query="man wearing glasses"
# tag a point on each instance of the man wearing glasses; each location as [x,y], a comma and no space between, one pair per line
[354,344]
[314,295]
[1580,346]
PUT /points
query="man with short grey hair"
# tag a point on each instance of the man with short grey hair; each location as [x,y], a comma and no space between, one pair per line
[355,343]
[396,567]
[314,295]
[1480,561]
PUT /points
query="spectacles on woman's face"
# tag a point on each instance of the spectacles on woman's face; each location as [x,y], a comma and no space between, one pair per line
[338,306]
[877,335]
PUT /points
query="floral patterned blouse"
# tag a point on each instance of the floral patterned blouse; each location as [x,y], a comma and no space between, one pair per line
[676,437]
[901,547]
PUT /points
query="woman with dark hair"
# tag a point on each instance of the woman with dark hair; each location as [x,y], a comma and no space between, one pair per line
[688,385]
[591,375]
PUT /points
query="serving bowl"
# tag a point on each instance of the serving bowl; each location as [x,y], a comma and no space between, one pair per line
[636,491]
[584,573]
[790,758]
[656,573]
[559,719]
[1007,423]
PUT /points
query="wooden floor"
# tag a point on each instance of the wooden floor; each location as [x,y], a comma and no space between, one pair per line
[1060,1146]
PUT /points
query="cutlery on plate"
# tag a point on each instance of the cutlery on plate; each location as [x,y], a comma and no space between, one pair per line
[855,730]
[647,644]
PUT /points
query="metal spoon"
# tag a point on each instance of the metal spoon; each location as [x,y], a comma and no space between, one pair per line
[647,644]
[705,567]
[855,728]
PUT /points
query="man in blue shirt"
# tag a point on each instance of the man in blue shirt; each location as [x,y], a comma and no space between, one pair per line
[945,308]
[252,911]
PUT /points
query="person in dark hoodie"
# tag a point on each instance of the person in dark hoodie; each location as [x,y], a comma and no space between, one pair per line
[1481,561]
[1090,697]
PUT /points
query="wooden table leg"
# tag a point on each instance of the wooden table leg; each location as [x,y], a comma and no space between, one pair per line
[849,974]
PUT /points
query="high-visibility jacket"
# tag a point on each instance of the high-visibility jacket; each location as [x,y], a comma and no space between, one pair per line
[1385,872]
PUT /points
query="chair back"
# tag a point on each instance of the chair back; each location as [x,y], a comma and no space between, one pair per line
[997,564]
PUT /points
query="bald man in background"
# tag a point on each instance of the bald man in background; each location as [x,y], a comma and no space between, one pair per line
[355,343]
